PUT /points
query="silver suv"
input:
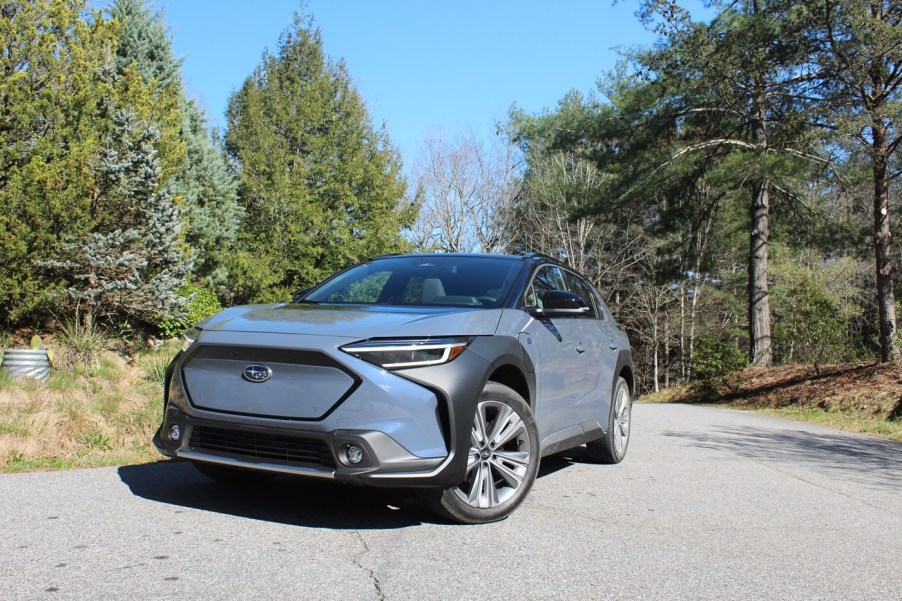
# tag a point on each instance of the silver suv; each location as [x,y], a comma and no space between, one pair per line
[450,373]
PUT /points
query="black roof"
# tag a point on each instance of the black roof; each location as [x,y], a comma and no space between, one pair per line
[532,257]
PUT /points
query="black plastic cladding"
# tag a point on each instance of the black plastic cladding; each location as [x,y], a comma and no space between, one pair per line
[458,385]
[167,379]
[624,360]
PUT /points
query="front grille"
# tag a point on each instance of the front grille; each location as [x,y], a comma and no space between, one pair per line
[292,450]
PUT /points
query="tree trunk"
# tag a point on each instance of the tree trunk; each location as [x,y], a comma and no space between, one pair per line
[693,306]
[759,302]
[883,246]
[683,374]
[654,328]
[760,353]
[667,349]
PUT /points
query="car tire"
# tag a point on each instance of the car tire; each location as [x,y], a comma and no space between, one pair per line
[611,448]
[232,476]
[503,460]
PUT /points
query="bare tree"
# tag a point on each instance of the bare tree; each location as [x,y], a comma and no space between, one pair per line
[465,189]
[547,220]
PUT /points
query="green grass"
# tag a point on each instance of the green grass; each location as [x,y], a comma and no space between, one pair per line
[109,458]
[843,420]
[63,380]
[106,370]
[155,368]
[13,427]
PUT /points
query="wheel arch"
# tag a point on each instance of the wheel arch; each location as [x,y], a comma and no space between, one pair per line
[511,376]
[626,372]
[624,369]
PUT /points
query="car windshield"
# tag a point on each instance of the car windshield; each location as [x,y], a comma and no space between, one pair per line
[423,281]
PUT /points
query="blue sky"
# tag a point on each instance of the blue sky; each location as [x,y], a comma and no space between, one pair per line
[419,64]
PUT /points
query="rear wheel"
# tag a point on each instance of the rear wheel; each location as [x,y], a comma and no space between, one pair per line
[502,462]
[611,448]
[232,476]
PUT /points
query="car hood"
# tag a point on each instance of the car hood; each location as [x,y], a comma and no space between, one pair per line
[356,322]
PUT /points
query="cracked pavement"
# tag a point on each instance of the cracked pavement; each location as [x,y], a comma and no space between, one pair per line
[709,504]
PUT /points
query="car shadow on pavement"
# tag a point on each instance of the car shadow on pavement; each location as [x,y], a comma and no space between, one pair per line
[286,500]
[868,461]
[564,459]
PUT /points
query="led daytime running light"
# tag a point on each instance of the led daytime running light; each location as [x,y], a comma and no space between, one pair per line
[397,354]
[190,335]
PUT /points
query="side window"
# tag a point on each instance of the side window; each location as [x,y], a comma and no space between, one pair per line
[578,286]
[547,278]
[599,304]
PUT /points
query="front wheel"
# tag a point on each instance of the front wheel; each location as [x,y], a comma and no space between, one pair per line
[502,462]
[611,448]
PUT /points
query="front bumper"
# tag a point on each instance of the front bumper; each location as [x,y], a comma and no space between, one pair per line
[292,451]
[407,424]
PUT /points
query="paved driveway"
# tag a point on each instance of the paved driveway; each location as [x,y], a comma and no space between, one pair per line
[709,504]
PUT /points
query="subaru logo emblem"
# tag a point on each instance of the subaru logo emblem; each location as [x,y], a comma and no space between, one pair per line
[257,373]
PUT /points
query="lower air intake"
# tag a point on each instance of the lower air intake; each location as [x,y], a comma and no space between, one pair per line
[291,450]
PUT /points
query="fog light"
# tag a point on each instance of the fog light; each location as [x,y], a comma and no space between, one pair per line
[175,432]
[354,454]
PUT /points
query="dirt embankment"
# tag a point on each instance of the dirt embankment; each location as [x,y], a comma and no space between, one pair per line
[860,397]
[874,389]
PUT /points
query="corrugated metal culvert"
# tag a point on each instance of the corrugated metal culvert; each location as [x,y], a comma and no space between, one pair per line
[27,362]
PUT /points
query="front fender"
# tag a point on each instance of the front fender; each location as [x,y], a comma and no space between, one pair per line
[458,385]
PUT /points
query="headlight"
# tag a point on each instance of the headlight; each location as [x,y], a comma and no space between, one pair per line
[401,353]
[190,336]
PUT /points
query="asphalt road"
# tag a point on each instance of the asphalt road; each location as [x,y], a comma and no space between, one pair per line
[709,504]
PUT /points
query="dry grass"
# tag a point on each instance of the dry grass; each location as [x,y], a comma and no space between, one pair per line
[82,418]
[862,397]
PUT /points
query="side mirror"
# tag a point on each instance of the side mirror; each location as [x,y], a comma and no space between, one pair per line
[557,303]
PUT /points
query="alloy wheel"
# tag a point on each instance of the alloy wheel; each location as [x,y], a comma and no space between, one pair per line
[621,419]
[499,456]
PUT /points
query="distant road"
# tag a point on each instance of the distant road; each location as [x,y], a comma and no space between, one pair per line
[709,504]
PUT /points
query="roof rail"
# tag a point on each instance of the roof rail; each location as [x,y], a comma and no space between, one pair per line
[545,257]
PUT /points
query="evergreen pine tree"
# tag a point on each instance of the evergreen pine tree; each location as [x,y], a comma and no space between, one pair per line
[145,43]
[321,185]
[52,125]
[202,181]
[210,193]
[135,264]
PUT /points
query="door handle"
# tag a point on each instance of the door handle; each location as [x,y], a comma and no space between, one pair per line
[580,348]
[613,347]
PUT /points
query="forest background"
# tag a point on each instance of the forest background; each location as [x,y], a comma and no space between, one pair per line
[729,190]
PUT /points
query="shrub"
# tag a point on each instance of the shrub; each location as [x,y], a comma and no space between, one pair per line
[715,364]
[82,344]
[809,325]
[200,304]
[155,368]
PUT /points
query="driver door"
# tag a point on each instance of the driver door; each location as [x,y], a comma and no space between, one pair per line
[562,364]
